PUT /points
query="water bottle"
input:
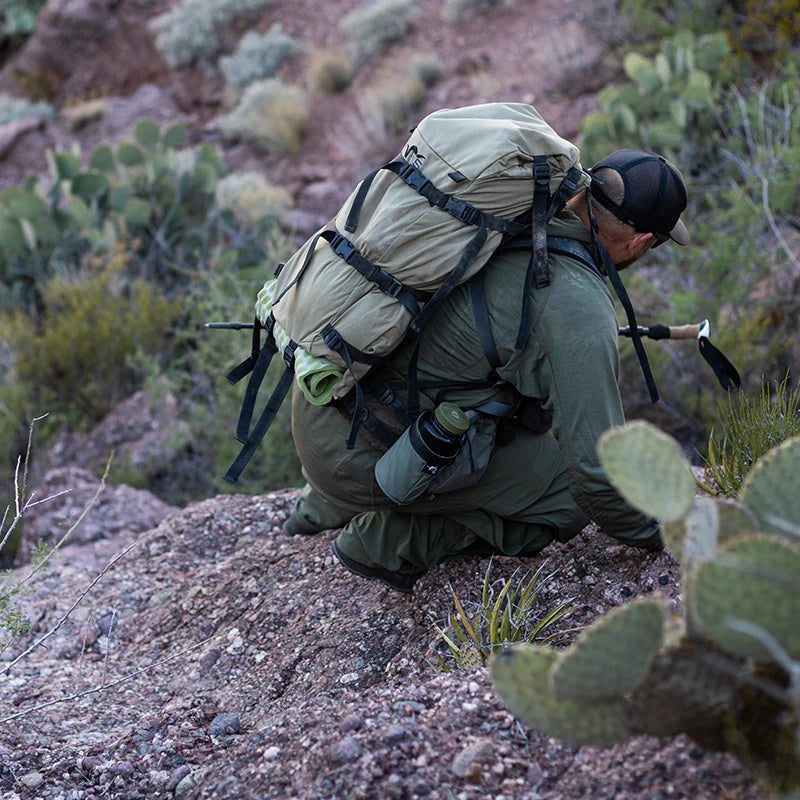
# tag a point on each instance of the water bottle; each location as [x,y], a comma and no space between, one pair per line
[439,433]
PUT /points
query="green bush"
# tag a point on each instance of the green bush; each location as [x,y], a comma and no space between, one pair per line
[373,27]
[668,105]
[17,21]
[271,116]
[193,30]
[78,364]
[257,56]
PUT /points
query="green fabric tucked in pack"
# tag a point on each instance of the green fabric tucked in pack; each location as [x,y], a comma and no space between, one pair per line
[315,377]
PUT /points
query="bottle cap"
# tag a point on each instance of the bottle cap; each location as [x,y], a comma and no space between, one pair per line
[452,418]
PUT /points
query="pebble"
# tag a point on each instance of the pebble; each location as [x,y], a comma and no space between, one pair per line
[663,579]
[477,752]
[32,780]
[184,788]
[224,724]
[272,753]
[395,734]
[176,777]
[347,749]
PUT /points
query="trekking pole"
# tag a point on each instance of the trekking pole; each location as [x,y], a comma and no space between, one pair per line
[726,373]
[228,326]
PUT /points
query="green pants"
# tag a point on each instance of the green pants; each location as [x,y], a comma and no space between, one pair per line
[520,505]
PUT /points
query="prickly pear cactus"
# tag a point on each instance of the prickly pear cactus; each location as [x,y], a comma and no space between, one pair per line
[755,580]
[614,655]
[728,675]
[522,677]
[770,490]
[648,469]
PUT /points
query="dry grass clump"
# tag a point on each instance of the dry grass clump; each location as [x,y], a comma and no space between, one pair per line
[271,116]
[371,28]
[329,71]
[251,196]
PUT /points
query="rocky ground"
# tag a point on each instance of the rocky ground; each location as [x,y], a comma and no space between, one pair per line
[218,658]
[201,653]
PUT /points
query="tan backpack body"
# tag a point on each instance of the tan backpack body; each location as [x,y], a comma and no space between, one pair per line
[408,234]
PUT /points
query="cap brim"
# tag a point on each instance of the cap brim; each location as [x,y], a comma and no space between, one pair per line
[679,234]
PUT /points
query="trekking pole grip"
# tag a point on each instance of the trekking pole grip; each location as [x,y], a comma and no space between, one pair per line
[685,331]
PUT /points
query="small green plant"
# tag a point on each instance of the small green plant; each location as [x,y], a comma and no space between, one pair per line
[17,21]
[462,10]
[750,426]
[257,56]
[14,108]
[373,27]
[727,670]
[272,116]
[506,612]
[193,30]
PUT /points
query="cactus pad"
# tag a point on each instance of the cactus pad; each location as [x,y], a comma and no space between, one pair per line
[647,467]
[521,677]
[772,487]
[612,657]
[755,579]
[710,523]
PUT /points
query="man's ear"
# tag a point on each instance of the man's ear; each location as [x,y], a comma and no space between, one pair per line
[641,242]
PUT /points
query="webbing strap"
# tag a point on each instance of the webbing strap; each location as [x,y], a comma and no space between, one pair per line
[264,421]
[453,278]
[480,309]
[387,283]
[351,223]
[234,375]
[348,354]
[460,209]
[537,273]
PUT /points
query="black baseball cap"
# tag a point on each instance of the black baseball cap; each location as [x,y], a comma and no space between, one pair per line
[654,193]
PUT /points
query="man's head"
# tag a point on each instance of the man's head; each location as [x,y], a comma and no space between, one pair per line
[637,198]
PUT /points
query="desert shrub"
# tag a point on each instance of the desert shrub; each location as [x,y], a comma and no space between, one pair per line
[17,21]
[373,27]
[193,29]
[13,108]
[251,197]
[758,28]
[272,116]
[463,10]
[329,71]
[669,104]
[79,364]
[387,107]
[257,56]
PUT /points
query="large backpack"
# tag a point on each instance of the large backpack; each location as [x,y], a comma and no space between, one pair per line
[411,231]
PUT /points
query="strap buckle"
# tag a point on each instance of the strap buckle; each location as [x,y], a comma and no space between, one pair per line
[343,248]
[462,210]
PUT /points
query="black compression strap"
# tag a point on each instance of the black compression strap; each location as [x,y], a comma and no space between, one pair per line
[483,326]
[233,376]
[351,223]
[460,209]
[454,277]
[387,283]
[261,427]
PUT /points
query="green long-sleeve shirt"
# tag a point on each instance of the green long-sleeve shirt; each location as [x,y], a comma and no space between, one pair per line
[570,361]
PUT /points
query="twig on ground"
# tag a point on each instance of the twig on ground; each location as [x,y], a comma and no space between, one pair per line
[103,686]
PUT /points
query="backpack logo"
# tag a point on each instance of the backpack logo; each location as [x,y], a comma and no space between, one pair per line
[413,156]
